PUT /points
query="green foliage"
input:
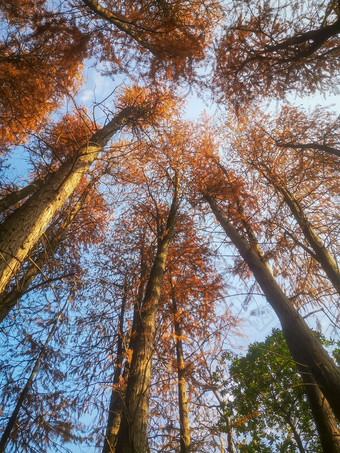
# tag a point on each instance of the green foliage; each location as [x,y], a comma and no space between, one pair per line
[266,406]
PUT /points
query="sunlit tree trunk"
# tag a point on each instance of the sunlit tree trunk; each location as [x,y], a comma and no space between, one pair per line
[12,420]
[321,254]
[182,391]
[305,349]
[132,436]
[54,238]
[21,230]
[116,403]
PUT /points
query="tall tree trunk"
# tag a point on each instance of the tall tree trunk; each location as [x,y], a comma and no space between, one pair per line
[116,403]
[321,254]
[304,347]
[185,444]
[9,300]
[132,436]
[20,194]
[12,421]
[21,230]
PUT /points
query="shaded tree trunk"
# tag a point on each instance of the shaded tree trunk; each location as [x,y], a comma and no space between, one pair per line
[20,194]
[132,435]
[21,230]
[322,413]
[304,347]
[185,446]
[12,420]
[116,403]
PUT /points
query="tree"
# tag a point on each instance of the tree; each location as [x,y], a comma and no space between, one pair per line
[13,418]
[165,38]
[270,49]
[41,62]
[132,435]
[42,255]
[18,236]
[266,400]
[305,180]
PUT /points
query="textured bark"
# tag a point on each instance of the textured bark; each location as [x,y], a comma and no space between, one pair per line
[12,421]
[321,253]
[21,230]
[20,194]
[132,436]
[9,300]
[116,403]
[304,347]
[185,446]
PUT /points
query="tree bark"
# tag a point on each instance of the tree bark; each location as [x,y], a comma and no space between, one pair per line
[132,435]
[116,403]
[321,253]
[21,230]
[304,347]
[9,300]
[12,421]
[185,444]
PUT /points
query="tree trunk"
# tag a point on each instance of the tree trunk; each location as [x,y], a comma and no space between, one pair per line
[21,230]
[304,347]
[116,406]
[230,442]
[9,300]
[20,194]
[132,435]
[295,433]
[12,421]
[321,254]
[185,446]
[322,413]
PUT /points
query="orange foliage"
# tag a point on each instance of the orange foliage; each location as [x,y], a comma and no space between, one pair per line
[39,65]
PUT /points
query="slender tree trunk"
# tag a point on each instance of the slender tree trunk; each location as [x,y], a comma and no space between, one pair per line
[9,300]
[20,194]
[21,230]
[295,433]
[304,347]
[185,444]
[116,403]
[132,435]
[12,421]
[230,442]
[321,254]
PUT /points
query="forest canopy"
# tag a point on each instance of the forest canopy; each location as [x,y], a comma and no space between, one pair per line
[144,244]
